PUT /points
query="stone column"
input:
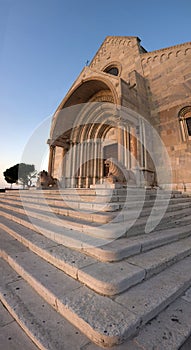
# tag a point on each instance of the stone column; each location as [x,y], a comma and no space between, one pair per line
[87,168]
[78,159]
[101,161]
[133,146]
[69,165]
[121,144]
[73,166]
[144,146]
[51,160]
[84,158]
[95,163]
[91,161]
[128,147]
[98,163]
[80,164]
[63,175]
[125,146]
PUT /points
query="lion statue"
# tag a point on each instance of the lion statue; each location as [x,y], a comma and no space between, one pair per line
[118,173]
[45,180]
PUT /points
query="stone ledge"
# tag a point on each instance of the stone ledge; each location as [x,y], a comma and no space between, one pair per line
[47,328]
[169,329]
[103,250]
[126,223]
[104,278]
[101,319]
[105,321]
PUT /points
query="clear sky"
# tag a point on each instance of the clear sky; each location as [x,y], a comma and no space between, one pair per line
[44,44]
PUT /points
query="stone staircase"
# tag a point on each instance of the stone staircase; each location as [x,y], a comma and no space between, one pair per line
[82,267]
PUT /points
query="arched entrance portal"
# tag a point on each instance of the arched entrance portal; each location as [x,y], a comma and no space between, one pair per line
[88,129]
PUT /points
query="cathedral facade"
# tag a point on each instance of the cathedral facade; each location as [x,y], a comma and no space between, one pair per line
[131,107]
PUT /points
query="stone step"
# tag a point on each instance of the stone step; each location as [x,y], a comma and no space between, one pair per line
[99,196]
[89,214]
[104,278]
[105,321]
[98,317]
[131,222]
[68,201]
[168,330]
[85,206]
[159,220]
[73,196]
[41,323]
[47,329]
[102,248]
[12,337]
[99,204]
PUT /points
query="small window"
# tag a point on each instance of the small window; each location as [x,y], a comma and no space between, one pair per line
[185,122]
[188,123]
[112,71]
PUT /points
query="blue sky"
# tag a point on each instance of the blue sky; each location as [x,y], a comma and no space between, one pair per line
[44,44]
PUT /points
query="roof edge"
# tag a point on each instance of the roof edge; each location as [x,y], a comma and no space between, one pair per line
[167,48]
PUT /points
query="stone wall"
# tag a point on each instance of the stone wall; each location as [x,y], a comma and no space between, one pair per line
[169,79]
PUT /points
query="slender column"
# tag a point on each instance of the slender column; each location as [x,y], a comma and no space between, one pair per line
[69,165]
[84,159]
[92,145]
[139,145]
[141,148]
[73,167]
[133,147]
[120,144]
[81,147]
[88,159]
[98,159]
[87,164]
[63,175]
[78,146]
[128,148]
[144,146]
[125,146]
[95,162]
[101,161]
[51,160]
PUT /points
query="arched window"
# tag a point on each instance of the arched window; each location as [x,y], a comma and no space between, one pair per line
[185,122]
[112,71]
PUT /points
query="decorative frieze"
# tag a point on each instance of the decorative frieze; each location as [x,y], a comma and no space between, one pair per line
[167,53]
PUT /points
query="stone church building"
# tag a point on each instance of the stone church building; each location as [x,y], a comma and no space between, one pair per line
[114,108]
